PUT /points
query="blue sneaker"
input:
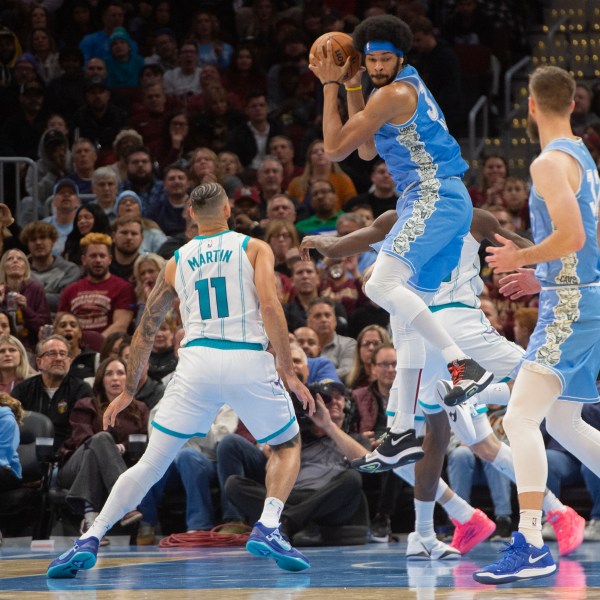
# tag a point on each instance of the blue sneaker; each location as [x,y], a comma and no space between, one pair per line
[268,542]
[81,556]
[521,561]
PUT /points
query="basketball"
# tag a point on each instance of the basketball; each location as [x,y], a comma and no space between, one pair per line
[342,48]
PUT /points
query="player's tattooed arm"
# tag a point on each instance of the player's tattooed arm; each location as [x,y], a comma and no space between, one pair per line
[159,302]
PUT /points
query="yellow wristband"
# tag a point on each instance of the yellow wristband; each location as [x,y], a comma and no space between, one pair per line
[353,89]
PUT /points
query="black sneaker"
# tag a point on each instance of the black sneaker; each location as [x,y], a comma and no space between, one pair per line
[395,450]
[381,529]
[503,528]
[468,378]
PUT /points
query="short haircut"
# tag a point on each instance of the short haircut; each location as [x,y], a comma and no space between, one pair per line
[421,25]
[95,239]
[104,173]
[299,349]
[83,140]
[174,167]
[320,300]
[553,89]
[384,346]
[39,348]
[352,217]
[136,149]
[38,229]
[383,28]
[122,221]
[281,195]
[207,198]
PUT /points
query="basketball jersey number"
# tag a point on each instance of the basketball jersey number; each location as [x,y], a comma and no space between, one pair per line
[218,284]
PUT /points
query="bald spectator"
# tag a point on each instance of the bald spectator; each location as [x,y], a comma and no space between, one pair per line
[95,68]
[314,368]
[101,301]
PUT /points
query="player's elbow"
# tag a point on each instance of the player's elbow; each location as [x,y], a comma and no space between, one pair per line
[577,239]
[335,153]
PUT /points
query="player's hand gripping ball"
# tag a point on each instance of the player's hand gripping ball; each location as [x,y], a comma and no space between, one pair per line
[341,48]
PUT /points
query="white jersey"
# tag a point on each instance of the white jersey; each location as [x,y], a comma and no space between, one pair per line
[463,286]
[219,302]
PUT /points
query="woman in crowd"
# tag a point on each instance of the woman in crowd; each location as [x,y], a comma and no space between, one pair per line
[6,324]
[163,359]
[112,343]
[43,48]
[92,458]
[176,141]
[367,341]
[319,167]
[14,363]
[88,218]
[211,49]
[129,204]
[22,297]
[145,272]
[244,75]
[493,172]
[84,361]
[282,236]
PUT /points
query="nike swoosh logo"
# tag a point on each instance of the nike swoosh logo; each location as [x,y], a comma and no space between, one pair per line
[532,560]
[396,442]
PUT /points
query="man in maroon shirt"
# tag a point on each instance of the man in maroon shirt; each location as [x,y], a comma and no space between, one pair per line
[102,302]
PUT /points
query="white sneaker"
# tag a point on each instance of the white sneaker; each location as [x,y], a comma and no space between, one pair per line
[591,532]
[459,416]
[419,548]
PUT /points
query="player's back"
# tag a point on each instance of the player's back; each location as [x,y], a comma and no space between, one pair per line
[218,299]
[580,267]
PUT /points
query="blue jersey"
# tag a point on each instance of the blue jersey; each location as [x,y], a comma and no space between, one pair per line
[582,267]
[421,149]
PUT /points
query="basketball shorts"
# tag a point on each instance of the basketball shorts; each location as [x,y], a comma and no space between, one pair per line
[246,380]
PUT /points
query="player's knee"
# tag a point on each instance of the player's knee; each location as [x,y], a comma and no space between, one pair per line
[289,444]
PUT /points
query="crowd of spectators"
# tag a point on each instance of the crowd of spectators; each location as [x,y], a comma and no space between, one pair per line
[123,108]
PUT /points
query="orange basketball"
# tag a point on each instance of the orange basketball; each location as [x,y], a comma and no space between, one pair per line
[342,48]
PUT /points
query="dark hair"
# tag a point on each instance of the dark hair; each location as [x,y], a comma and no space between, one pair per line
[385,28]
[321,300]
[139,148]
[109,342]
[72,249]
[207,197]
[378,350]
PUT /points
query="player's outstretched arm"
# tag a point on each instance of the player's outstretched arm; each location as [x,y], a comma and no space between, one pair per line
[352,243]
[485,226]
[159,302]
[274,319]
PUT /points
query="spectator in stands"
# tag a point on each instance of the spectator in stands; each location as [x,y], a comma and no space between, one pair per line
[204,167]
[163,359]
[21,131]
[77,23]
[175,140]
[381,196]
[231,167]
[524,323]
[327,492]
[123,142]
[173,242]
[323,202]
[211,49]
[89,218]
[342,282]
[99,120]
[184,80]
[244,75]
[84,360]
[101,301]
[124,63]
[493,172]
[339,349]
[98,44]
[14,363]
[491,313]
[281,206]
[22,296]
[54,391]
[6,324]
[282,236]
[317,168]
[53,272]
[104,187]
[84,157]
[282,148]
[53,164]
[246,211]
[129,204]
[195,469]
[93,459]
[514,196]
[145,271]
[10,50]
[42,46]
[250,139]
[170,211]
[368,340]
[127,238]
[140,178]
[269,179]
[165,49]
[314,369]
[66,93]
[95,68]
[582,116]
[113,344]
[11,416]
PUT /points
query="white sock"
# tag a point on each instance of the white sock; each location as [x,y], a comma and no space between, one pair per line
[504,462]
[424,518]
[495,393]
[408,391]
[458,509]
[551,502]
[530,525]
[271,512]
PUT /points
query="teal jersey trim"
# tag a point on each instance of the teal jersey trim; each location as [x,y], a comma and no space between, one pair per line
[449,305]
[224,344]
[278,432]
[505,380]
[429,406]
[184,436]
[206,237]
[417,418]
[245,243]
[176,255]
[389,413]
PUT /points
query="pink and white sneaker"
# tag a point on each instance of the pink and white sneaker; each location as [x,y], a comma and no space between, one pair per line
[569,528]
[477,529]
